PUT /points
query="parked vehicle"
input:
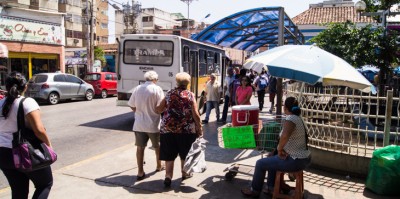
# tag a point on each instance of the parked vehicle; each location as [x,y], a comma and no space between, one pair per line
[54,87]
[104,83]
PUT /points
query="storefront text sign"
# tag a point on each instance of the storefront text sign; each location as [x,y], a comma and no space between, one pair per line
[15,29]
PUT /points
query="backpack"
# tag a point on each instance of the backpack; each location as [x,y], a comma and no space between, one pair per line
[262,83]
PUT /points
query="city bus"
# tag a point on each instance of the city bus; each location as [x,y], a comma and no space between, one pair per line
[167,55]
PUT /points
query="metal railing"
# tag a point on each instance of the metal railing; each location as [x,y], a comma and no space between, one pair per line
[347,121]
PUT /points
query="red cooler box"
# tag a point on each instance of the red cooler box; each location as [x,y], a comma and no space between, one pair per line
[243,115]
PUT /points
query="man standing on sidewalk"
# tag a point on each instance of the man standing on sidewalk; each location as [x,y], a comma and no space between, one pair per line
[143,102]
[228,80]
[261,83]
[213,88]
[272,92]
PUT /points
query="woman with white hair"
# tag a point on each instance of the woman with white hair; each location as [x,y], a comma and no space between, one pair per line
[180,125]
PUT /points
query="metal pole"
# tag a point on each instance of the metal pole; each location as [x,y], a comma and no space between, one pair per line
[87,37]
[188,19]
[388,117]
[279,96]
[91,38]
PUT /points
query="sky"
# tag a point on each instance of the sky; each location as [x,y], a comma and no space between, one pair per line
[217,9]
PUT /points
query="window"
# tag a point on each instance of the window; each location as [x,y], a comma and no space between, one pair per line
[59,78]
[185,58]
[115,77]
[147,19]
[176,32]
[39,78]
[104,39]
[104,25]
[148,52]
[91,77]
[108,77]
[202,63]
[69,33]
[73,79]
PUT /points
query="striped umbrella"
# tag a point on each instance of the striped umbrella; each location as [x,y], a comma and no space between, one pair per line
[309,64]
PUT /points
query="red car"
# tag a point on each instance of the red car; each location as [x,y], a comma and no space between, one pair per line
[104,83]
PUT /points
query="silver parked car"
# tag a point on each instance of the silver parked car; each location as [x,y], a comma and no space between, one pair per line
[54,87]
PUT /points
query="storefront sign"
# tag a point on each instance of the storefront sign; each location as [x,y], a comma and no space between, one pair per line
[16,29]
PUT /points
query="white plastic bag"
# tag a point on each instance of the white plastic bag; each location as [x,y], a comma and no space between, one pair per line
[195,160]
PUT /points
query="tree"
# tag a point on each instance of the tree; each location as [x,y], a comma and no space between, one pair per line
[375,5]
[360,45]
[99,55]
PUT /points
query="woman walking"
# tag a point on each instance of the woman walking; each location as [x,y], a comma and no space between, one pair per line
[19,181]
[180,125]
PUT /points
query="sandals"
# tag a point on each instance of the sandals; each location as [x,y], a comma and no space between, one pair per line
[248,192]
[139,178]
[162,168]
[186,176]
[167,182]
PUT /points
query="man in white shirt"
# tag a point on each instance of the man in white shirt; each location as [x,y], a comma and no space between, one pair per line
[213,88]
[143,102]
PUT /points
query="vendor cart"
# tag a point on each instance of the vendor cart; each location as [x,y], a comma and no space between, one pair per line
[266,135]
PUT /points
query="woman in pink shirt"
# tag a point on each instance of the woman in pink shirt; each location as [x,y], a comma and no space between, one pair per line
[244,92]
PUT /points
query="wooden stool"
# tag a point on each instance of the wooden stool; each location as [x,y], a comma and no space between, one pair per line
[299,189]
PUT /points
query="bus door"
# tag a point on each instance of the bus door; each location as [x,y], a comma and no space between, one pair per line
[193,71]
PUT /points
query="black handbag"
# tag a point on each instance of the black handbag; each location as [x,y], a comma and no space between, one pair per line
[29,153]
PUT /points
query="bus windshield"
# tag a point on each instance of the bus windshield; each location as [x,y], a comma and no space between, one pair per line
[159,53]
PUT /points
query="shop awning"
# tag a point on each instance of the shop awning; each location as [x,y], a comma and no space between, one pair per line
[251,29]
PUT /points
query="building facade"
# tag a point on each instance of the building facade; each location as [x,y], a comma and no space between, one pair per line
[35,39]
[314,20]
[101,21]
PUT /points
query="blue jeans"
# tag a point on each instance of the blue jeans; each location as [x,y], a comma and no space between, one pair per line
[225,110]
[272,164]
[210,105]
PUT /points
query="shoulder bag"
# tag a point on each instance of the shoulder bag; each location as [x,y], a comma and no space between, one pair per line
[29,153]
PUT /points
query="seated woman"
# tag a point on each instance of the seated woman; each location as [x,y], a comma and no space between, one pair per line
[293,154]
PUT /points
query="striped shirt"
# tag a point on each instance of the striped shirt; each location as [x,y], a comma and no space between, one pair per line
[296,145]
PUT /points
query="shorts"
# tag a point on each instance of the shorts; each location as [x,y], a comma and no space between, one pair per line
[172,144]
[271,96]
[143,137]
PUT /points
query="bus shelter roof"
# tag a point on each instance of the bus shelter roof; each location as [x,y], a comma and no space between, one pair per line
[251,29]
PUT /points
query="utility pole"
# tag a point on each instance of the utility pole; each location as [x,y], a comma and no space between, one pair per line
[89,36]
[92,22]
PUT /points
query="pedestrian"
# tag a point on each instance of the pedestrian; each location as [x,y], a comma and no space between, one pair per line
[236,84]
[212,91]
[180,125]
[292,152]
[228,80]
[19,181]
[143,102]
[261,83]
[272,92]
[244,92]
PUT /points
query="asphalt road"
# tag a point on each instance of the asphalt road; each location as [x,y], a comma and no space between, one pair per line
[83,129]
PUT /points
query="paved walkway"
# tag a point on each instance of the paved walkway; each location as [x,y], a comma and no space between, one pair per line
[113,175]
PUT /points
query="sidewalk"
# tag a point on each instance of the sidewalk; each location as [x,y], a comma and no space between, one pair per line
[113,175]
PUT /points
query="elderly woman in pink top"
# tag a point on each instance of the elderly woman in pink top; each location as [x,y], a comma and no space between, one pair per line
[244,92]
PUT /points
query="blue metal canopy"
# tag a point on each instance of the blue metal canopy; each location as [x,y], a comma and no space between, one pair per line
[251,29]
